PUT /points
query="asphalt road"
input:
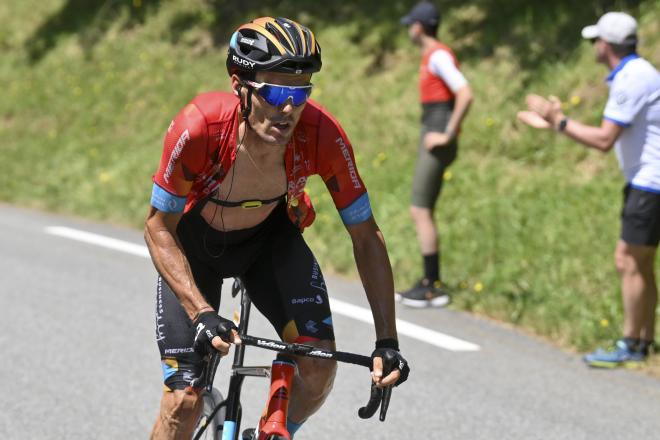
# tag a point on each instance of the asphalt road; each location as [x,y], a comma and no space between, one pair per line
[80,360]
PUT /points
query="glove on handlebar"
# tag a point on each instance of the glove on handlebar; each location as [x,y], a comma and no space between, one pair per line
[392,360]
[208,325]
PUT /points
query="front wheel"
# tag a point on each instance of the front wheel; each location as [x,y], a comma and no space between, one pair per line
[213,430]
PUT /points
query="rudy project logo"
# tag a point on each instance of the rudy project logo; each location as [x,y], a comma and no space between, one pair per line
[242,62]
[176,152]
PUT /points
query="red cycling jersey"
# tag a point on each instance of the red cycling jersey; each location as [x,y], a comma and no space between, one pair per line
[200,147]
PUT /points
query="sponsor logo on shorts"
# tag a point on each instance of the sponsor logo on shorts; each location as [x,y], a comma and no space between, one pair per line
[179,350]
[318,299]
[311,326]
[317,279]
[159,312]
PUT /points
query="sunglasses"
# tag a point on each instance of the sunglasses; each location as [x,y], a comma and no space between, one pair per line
[277,95]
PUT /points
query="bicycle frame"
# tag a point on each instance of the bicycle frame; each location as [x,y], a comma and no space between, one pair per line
[379,397]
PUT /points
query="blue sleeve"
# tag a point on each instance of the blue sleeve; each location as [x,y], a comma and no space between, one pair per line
[356,212]
[165,201]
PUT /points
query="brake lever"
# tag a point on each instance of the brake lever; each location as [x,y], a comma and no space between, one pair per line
[374,402]
[380,397]
[385,402]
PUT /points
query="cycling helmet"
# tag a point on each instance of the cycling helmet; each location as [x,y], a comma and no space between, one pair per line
[275,45]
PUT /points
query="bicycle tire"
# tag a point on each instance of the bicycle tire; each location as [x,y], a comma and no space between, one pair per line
[213,429]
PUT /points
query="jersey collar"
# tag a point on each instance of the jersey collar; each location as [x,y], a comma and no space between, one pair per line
[620,66]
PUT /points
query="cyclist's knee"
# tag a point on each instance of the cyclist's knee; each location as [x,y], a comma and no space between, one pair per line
[318,375]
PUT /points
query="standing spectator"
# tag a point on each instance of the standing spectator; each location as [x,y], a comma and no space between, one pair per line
[631,123]
[445,97]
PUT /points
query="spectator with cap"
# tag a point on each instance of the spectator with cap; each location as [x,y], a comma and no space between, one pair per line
[630,124]
[445,96]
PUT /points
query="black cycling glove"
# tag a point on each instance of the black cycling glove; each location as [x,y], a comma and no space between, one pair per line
[207,326]
[388,351]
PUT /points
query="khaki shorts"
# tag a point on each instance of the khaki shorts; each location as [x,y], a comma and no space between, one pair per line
[431,165]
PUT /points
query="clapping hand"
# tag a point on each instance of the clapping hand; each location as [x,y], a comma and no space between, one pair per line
[542,113]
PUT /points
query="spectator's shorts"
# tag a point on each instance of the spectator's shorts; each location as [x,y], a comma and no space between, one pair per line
[278,269]
[640,217]
[431,165]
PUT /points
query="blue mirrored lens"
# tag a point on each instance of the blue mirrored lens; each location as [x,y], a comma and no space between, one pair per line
[278,95]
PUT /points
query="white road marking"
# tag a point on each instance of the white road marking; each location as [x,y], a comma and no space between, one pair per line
[99,240]
[405,328]
[338,307]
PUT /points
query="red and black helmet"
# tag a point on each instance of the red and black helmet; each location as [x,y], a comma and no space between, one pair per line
[275,45]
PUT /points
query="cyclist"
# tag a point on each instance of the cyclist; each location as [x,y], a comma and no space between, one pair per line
[228,200]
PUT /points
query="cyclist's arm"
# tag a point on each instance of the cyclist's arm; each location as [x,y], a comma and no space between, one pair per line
[170,261]
[375,270]
[339,171]
[184,154]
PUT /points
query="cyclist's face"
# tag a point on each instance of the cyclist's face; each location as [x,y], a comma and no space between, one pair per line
[275,124]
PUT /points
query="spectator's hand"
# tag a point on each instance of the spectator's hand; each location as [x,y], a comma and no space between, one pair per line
[543,113]
[435,139]
[534,120]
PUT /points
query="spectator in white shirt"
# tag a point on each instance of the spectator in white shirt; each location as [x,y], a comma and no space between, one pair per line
[631,124]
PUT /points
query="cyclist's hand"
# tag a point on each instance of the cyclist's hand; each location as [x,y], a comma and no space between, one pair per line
[388,362]
[435,139]
[214,332]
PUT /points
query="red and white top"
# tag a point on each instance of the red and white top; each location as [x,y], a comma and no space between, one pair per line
[439,76]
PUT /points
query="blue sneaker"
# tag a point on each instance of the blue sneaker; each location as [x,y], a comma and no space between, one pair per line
[621,356]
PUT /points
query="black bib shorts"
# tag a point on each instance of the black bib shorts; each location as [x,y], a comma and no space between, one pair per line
[279,271]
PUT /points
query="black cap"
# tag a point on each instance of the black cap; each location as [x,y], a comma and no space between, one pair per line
[425,12]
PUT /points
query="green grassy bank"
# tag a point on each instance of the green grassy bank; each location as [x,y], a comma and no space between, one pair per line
[528,220]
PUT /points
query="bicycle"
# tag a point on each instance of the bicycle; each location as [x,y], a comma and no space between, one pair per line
[221,417]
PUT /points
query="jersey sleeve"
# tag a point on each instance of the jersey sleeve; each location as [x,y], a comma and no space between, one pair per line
[183,159]
[442,65]
[338,170]
[625,100]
